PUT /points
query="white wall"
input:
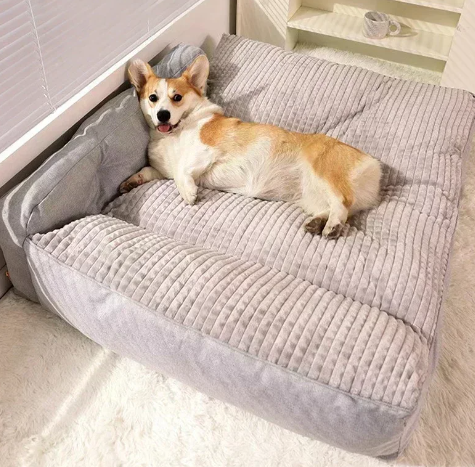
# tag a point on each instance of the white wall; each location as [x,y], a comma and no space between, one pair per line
[263,20]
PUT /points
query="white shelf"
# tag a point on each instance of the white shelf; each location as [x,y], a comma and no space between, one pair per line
[455,6]
[427,44]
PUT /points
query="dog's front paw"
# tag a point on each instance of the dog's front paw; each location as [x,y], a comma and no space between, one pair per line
[189,195]
[131,183]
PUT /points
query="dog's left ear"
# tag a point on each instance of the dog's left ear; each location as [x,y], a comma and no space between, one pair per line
[139,72]
[197,73]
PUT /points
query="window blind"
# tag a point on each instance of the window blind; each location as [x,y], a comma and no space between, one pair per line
[51,49]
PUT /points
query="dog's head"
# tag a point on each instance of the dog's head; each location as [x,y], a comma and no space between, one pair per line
[165,102]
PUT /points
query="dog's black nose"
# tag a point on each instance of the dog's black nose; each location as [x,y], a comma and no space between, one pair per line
[163,116]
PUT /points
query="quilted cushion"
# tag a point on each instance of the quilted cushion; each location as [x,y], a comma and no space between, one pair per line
[335,339]
[295,353]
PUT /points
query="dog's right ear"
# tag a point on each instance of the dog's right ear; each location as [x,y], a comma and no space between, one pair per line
[139,72]
[197,73]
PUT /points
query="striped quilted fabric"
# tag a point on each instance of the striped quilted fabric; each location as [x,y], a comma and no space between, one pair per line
[271,234]
[250,306]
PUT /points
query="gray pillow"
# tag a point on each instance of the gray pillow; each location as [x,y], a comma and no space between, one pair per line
[177,61]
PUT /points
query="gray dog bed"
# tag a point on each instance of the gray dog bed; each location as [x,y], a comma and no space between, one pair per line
[335,339]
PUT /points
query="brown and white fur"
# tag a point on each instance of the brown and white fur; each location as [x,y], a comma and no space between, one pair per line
[196,145]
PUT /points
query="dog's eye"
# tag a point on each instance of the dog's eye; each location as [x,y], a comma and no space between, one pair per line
[177,98]
[153,98]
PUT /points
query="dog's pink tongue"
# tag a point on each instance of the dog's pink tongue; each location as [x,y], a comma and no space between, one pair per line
[164,128]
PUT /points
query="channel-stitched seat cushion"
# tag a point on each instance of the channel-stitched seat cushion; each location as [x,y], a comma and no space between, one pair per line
[335,339]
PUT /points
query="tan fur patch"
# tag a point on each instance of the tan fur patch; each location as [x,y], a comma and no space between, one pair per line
[333,161]
[219,131]
[139,72]
[150,87]
[181,86]
[231,134]
[175,86]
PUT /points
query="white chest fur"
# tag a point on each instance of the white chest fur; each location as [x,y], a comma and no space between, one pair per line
[183,151]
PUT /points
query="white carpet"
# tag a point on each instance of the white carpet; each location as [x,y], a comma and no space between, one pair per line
[64,401]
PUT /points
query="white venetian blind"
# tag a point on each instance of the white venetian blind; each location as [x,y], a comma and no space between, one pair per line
[51,49]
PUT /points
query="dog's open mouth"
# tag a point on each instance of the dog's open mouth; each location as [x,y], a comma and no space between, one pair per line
[166,127]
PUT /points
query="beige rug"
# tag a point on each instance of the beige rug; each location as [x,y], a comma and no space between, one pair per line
[65,401]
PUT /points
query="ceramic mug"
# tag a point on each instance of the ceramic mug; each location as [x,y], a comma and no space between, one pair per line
[378,25]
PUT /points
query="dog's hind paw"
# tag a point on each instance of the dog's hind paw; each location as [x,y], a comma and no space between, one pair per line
[315,226]
[333,231]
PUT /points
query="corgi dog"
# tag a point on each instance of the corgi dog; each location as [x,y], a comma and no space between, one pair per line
[193,143]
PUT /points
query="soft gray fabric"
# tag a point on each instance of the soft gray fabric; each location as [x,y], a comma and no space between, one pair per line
[177,61]
[238,330]
[82,177]
[271,234]
[334,339]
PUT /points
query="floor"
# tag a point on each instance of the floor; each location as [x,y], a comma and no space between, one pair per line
[65,401]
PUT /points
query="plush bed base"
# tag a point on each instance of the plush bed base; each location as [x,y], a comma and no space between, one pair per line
[107,315]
